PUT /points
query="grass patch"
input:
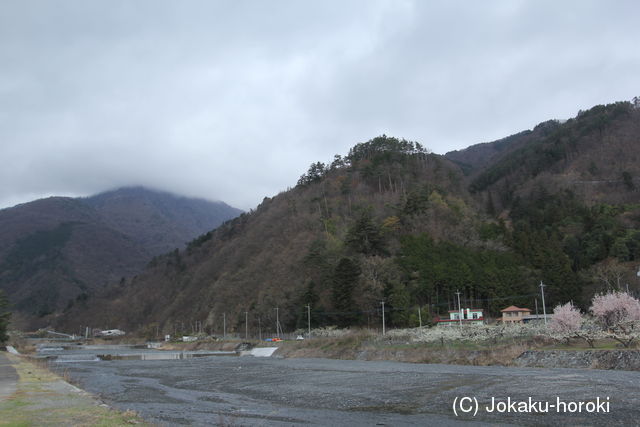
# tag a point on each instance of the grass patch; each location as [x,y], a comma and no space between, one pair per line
[348,342]
[44,398]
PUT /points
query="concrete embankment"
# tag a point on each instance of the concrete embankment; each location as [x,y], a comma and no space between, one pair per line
[627,360]
[517,355]
[503,355]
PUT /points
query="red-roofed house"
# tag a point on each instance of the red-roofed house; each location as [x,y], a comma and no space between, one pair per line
[513,314]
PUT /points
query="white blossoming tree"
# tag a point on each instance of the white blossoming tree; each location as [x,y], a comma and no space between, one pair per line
[565,322]
[568,322]
[566,319]
[474,333]
[618,313]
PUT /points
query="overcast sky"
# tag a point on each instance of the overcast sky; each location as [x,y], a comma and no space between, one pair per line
[232,100]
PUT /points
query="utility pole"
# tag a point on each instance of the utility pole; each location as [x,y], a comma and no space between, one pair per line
[309,320]
[383,325]
[544,308]
[224,325]
[536,307]
[419,316]
[259,329]
[246,325]
[459,307]
[277,323]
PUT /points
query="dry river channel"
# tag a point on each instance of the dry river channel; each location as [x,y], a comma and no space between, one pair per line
[270,391]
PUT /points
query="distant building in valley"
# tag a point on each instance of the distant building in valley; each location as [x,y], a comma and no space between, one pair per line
[465,316]
[513,314]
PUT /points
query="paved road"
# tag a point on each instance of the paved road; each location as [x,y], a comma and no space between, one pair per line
[8,377]
[268,391]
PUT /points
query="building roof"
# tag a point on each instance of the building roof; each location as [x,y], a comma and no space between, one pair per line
[472,309]
[514,308]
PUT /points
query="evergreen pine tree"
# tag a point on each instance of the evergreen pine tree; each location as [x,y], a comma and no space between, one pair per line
[345,278]
[309,297]
[364,236]
[557,274]
[4,317]
[399,301]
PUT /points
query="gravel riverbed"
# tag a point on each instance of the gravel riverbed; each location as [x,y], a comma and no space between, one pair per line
[283,392]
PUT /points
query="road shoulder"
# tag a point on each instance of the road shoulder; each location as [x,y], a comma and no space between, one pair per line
[39,396]
[8,377]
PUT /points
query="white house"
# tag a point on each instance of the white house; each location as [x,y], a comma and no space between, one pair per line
[465,316]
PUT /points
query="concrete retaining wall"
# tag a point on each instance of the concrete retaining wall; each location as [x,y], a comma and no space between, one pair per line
[627,360]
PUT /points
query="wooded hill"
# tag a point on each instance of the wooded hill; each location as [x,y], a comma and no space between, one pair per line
[56,252]
[391,221]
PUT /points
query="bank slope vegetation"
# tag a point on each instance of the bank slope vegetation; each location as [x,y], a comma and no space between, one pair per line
[391,221]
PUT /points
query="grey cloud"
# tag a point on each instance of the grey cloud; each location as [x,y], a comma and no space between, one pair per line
[232,100]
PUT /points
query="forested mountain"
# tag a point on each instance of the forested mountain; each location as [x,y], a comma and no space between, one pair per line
[56,251]
[594,154]
[159,221]
[570,202]
[474,159]
[391,221]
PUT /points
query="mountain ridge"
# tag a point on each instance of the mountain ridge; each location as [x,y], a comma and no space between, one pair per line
[391,221]
[57,249]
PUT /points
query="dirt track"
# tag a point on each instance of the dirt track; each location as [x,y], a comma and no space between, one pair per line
[8,377]
[267,391]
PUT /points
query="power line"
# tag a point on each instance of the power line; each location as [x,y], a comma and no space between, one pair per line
[411,308]
[385,308]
